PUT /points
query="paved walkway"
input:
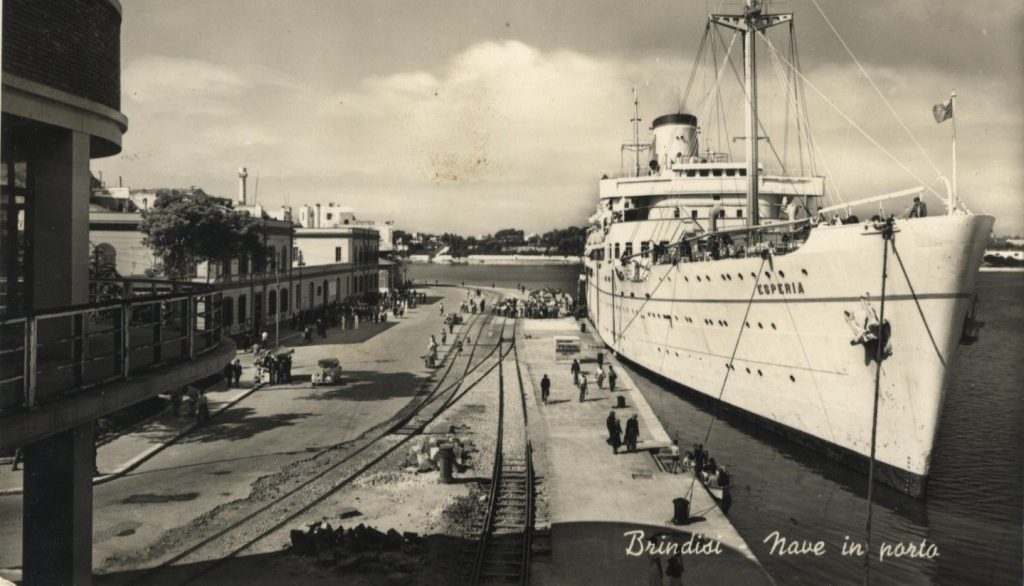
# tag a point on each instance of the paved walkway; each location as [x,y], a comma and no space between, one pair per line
[598,502]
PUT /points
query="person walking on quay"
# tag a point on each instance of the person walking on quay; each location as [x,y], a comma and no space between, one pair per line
[673,450]
[229,373]
[674,570]
[654,572]
[203,409]
[600,359]
[193,399]
[632,433]
[237,368]
[612,377]
[583,389]
[451,326]
[614,432]
[444,336]
[600,379]
[441,310]
[545,389]
[575,370]
[19,455]
[176,402]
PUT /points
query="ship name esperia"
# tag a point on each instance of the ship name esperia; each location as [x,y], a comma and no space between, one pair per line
[780,288]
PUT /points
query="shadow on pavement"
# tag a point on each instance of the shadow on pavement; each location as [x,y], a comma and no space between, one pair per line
[237,423]
[367,385]
[337,335]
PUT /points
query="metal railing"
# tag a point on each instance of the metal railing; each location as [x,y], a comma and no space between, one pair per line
[131,327]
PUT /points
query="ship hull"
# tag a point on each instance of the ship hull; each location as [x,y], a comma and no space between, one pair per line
[795,368]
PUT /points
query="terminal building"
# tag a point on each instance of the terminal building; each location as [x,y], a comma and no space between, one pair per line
[306,268]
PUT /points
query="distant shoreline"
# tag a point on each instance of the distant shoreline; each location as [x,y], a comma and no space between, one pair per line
[512,259]
[1002,269]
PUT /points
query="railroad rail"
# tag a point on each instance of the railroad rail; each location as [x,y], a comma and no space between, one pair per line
[245,532]
[502,553]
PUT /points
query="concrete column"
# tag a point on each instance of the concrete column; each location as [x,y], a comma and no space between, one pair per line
[57,526]
[58,213]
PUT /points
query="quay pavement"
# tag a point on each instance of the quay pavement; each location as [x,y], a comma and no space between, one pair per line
[596,503]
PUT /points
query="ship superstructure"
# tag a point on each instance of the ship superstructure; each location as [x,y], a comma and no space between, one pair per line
[738,282]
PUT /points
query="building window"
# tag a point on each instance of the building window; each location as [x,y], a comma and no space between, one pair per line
[272,302]
[284,300]
[644,247]
[337,254]
[284,257]
[739,213]
[693,214]
[628,251]
[675,213]
[242,312]
[617,250]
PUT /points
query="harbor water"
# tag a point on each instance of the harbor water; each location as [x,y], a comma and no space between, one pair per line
[968,528]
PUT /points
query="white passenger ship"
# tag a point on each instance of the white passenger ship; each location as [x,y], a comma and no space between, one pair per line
[740,284]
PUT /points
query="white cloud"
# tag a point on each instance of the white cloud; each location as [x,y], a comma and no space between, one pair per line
[504,134]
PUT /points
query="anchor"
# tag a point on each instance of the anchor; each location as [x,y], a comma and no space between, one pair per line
[972,325]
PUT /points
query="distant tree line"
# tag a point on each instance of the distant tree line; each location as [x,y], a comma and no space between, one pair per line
[560,241]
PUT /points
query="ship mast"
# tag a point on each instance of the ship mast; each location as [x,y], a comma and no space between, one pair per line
[636,146]
[752,21]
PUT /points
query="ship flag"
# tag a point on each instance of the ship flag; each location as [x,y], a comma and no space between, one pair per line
[943,111]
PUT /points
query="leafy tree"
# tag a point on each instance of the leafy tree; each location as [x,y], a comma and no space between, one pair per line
[187,227]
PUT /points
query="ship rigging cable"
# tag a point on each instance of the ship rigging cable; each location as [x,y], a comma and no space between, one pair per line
[729,365]
[878,91]
[839,111]
[917,302]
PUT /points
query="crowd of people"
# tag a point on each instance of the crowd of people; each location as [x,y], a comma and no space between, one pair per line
[536,304]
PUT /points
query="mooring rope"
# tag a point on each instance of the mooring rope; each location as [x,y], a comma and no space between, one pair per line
[729,365]
[888,236]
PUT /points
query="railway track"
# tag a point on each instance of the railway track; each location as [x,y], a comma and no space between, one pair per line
[240,535]
[502,552]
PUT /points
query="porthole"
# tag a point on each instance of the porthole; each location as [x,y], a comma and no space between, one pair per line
[773,326]
[792,378]
[753,275]
[740,275]
[748,370]
[687,279]
[698,278]
[804,271]
[759,373]
[708,277]
[767,274]
[760,325]
[782,274]
[748,324]
[723,277]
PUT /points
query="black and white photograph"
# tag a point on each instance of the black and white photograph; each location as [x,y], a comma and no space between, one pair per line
[446,292]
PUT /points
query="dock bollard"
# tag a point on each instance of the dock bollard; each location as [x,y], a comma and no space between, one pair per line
[621,402]
[583,327]
[681,512]
[447,463]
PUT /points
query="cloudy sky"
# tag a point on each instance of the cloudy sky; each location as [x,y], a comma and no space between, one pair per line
[471,116]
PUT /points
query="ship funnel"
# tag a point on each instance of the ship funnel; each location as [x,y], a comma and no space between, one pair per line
[675,140]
